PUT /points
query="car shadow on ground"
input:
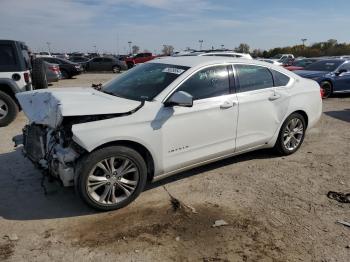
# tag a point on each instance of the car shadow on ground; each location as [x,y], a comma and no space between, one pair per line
[22,197]
[343,115]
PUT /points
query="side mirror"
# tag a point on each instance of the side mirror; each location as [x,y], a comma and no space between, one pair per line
[180,98]
[341,71]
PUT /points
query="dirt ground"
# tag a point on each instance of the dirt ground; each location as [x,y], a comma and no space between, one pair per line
[276,207]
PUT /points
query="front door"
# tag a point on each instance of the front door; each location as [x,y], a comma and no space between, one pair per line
[342,82]
[208,129]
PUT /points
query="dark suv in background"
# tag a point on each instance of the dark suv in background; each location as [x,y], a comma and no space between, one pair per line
[68,69]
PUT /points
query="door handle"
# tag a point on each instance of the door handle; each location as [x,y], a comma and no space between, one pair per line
[274,97]
[227,104]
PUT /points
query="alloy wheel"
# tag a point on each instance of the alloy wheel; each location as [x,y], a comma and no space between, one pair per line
[293,134]
[112,180]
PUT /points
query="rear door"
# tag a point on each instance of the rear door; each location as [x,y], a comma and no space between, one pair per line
[261,106]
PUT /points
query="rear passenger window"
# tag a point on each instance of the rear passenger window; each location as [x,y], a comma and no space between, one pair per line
[7,55]
[252,77]
[279,78]
[209,82]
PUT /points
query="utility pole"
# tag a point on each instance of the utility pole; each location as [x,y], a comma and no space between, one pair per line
[130,46]
[200,44]
[48,46]
[304,40]
[95,49]
[117,44]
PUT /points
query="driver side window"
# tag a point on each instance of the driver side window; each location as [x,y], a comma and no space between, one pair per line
[345,67]
[207,83]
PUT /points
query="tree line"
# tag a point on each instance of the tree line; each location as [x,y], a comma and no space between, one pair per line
[328,48]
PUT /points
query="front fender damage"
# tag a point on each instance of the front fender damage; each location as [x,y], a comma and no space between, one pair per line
[53,150]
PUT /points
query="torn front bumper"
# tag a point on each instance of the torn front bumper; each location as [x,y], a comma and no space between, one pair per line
[41,147]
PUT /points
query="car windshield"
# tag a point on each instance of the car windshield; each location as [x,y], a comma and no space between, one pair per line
[144,82]
[325,65]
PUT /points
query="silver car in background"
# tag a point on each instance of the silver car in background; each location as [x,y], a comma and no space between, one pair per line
[52,71]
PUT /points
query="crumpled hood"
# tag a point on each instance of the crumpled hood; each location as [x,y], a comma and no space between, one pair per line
[310,74]
[49,106]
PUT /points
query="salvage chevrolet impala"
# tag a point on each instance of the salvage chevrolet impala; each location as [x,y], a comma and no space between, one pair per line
[161,118]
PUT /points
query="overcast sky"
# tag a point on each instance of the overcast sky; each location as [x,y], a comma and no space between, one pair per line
[78,25]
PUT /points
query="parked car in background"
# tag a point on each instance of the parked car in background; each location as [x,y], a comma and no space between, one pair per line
[43,54]
[68,69]
[333,75]
[53,73]
[282,56]
[131,61]
[300,64]
[80,60]
[163,117]
[270,61]
[58,55]
[15,77]
[106,64]
[281,59]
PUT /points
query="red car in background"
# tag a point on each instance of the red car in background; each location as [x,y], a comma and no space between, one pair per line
[138,59]
[299,64]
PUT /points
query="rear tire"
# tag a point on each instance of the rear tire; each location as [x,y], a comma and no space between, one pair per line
[65,74]
[291,135]
[327,89]
[39,75]
[118,169]
[8,109]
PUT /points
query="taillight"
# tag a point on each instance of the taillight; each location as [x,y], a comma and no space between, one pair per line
[322,92]
[26,77]
[54,69]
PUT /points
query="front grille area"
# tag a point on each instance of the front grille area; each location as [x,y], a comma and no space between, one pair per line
[34,142]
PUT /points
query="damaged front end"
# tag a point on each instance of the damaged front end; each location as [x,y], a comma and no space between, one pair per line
[52,151]
[48,139]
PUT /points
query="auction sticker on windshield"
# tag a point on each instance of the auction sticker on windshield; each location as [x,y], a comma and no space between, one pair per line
[173,70]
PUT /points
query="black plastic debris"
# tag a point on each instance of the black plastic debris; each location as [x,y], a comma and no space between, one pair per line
[339,196]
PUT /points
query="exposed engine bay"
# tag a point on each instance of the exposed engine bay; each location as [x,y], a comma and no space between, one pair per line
[52,151]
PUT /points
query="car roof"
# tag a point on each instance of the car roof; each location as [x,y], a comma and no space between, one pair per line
[198,61]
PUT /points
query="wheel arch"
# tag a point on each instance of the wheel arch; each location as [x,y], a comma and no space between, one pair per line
[304,114]
[141,149]
[326,80]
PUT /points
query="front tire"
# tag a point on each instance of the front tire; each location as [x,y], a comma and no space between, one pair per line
[116,69]
[291,135]
[8,109]
[112,177]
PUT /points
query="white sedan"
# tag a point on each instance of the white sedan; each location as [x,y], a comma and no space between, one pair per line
[164,117]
